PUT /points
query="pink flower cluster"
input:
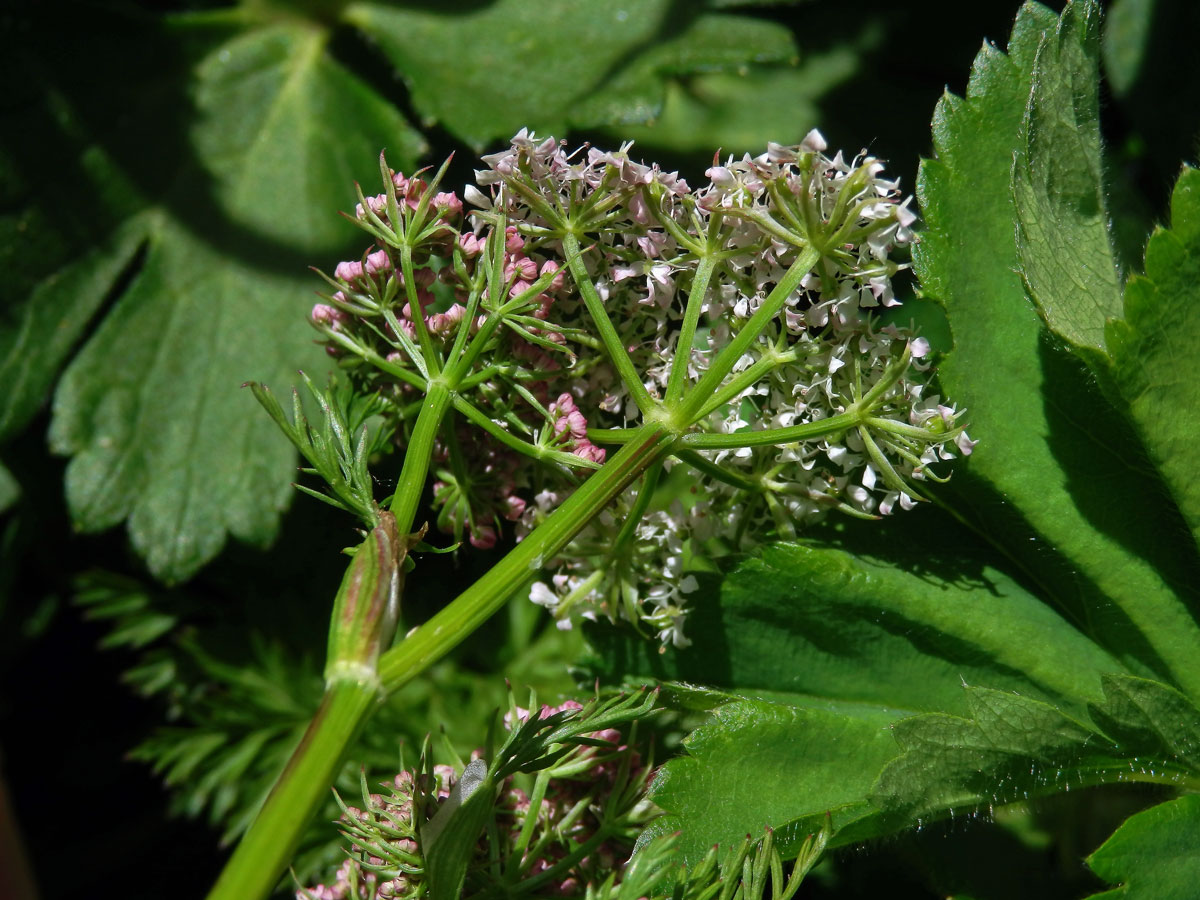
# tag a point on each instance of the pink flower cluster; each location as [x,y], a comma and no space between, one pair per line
[594,791]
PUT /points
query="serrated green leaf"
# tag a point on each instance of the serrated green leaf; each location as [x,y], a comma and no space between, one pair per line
[759,764]
[1155,347]
[53,318]
[1150,722]
[1126,39]
[285,131]
[63,241]
[1013,748]
[740,111]
[902,632]
[151,408]
[710,43]
[152,413]
[526,68]
[1062,226]
[1153,854]
[1056,467]
[1010,748]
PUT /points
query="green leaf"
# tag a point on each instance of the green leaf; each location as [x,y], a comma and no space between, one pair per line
[10,490]
[1126,40]
[1062,225]
[53,318]
[151,409]
[1057,483]
[152,412]
[1150,722]
[902,632]
[64,241]
[448,852]
[1153,854]
[759,764]
[1010,748]
[528,66]
[706,47]
[1151,349]
[741,111]
[284,131]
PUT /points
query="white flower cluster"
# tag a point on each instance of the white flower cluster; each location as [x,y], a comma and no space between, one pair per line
[820,356]
[600,292]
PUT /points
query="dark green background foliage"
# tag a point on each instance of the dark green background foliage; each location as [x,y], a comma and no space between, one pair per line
[167,178]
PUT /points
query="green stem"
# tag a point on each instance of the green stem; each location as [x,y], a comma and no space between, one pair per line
[474,606]
[749,333]
[768,436]
[417,456]
[612,341]
[267,848]
[687,331]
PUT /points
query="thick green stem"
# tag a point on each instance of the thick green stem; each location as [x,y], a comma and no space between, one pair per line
[474,606]
[265,851]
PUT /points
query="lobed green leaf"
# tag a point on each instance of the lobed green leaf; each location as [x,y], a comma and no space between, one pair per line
[1151,348]
[1062,225]
[526,67]
[1153,854]
[1058,483]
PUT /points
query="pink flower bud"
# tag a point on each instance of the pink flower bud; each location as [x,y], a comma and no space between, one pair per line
[379,261]
[523,267]
[483,537]
[589,451]
[556,283]
[471,244]
[323,314]
[513,242]
[514,507]
[448,203]
[349,271]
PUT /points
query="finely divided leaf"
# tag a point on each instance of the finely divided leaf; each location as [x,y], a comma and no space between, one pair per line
[1155,349]
[1153,855]
[1057,482]
[1062,225]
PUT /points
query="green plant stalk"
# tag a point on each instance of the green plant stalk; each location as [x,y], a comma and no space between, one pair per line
[612,341]
[267,848]
[431,641]
[417,456]
[268,845]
